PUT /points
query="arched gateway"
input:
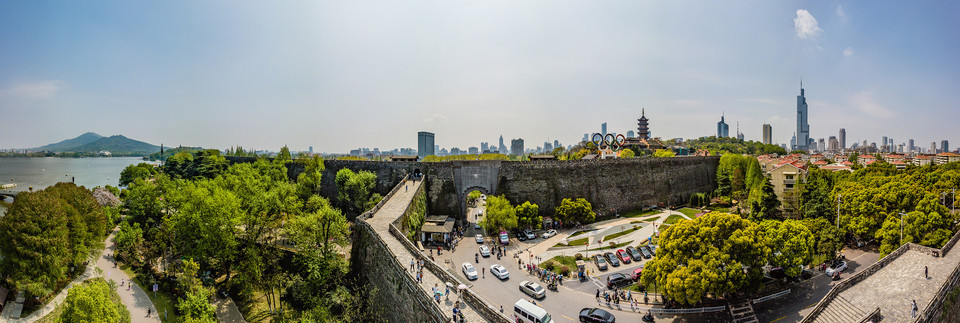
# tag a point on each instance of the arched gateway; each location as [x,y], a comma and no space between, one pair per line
[469,175]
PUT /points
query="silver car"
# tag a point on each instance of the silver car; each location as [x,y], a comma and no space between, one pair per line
[533,289]
[469,271]
[485,251]
[836,268]
[499,271]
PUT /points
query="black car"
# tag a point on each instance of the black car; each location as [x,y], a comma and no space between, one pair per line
[618,280]
[521,236]
[612,259]
[596,315]
[646,252]
[634,253]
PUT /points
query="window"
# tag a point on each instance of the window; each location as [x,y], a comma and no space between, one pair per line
[789,176]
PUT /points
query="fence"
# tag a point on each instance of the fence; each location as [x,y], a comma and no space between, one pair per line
[697,310]
[771,296]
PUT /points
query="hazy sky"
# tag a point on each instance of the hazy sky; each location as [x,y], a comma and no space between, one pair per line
[339,75]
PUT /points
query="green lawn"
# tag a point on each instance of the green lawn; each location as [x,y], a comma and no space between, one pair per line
[691,213]
[617,246]
[639,213]
[578,242]
[163,301]
[582,232]
[620,234]
[54,316]
[651,219]
[561,261]
[673,219]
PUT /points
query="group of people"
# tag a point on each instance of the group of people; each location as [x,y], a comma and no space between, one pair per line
[418,273]
[617,296]
[549,277]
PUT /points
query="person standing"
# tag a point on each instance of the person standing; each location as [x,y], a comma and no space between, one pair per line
[926,272]
[913,311]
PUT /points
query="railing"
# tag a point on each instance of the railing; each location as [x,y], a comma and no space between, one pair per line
[771,296]
[697,310]
[931,312]
[369,213]
[872,317]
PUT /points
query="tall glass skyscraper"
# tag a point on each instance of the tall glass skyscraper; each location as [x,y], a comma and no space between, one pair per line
[803,128]
[425,144]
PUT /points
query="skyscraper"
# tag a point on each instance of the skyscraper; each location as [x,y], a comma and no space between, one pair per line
[910,144]
[793,141]
[502,148]
[833,144]
[945,146]
[767,134]
[516,147]
[311,150]
[843,138]
[643,129]
[425,144]
[556,144]
[603,129]
[803,128]
[723,129]
[484,146]
[739,134]
[883,144]
[629,133]
[933,147]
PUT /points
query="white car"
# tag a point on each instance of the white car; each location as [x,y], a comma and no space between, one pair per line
[533,289]
[469,271]
[836,268]
[499,271]
[479,238]
[485,251]
[549,233]
[529,234]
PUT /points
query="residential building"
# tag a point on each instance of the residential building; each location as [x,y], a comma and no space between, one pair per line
[767,134]
[947,157]
[803,128]
[785,177]
[821,145]
[516,147]
[474,150]
[425,144]
[843,138]
[922,160]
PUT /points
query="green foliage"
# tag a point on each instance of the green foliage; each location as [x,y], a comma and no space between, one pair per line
[355,189]
[717,253]
[316,233]
[134,172]
[826,236]
[723,146]
[308,182]
[815,194]
[500,215]
[283,156]
[434,158]
[46,233]
[190,164]
[627,153]
[578,210]
[664,153]
[767,207]
[528,216]
[791,245]
[91,302]
[928,229]
[129,242]
[167,152]
[473,196]
[194,307]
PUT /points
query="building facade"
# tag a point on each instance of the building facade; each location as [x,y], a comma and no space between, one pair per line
[516,147]
[843,138]
[425,144]
[803,127]
[767,134]
[723,129]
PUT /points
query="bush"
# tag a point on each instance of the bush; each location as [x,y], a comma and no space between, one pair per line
[549,264]
[578,256]
[564,270]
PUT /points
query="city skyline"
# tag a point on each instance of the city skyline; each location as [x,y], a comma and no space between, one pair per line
[341,76]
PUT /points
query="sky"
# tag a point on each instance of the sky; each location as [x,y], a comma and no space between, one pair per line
[338,75]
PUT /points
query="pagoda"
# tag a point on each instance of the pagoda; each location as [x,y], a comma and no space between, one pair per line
[643,131]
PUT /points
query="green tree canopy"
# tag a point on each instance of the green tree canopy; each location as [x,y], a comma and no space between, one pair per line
[90,302]
[355,189]
[578,210]
[791,245]
[134,172]
[500,215]
[528,215]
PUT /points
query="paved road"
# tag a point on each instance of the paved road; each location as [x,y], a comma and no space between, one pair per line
[135,299]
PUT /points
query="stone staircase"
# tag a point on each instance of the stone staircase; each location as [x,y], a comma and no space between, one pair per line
[743,312]
[841,310]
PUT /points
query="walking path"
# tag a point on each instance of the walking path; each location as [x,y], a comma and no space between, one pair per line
[227,311]
[543,251]
[380,222]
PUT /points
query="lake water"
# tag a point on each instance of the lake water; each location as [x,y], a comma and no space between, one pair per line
[47,171]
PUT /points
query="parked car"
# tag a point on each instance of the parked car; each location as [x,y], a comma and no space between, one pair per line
[529,234]
[624,257]
[653,249]
[636,273]
[499,271]
[485,251]
[612,259]
[596,315]
[634,253]
[549,233]
[601,264]
[617,280]
[476,225]
[836,267]
[645,252]
[504,238]
[469,271]
[521,236]
[479,238]
[533,289]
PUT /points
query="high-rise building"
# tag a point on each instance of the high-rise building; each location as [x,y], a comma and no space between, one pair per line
[723,129]
[503,148]
[484,146]
[933,147]
[629,133]
[767,134]
[556,144]
[803,128]
[643,125]
[883,144]
[425,144]
[547,147]
[793,141]
[586,137]
[821,145]
[739,134]
[833,144]
[945,146]
[474,150]
[310,150]
[603,129]
[843,138]
[516,147]
[436,149]
[910,146]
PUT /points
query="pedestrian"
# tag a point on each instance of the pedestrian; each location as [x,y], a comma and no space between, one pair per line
[404,188]
[913,311]
[501,309]
[598,293]
[483,272]
[411,265]
[149,311]
[926,272]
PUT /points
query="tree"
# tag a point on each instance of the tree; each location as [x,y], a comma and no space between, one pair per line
[284,155]
[500,215]
[180,165]
[129,242]
[528,215]
[627,153]
[826,236]
[473,196]
[717,253]
[578,210]
[664,153]
[209,163]
[355,189]
[90,302]
[134,172]
[790,243]
[928,229]
[768,207]
[317,232]
[194,307]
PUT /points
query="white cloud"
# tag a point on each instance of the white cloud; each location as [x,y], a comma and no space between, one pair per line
[436,117]
[33,90]
[806,25]
[840,12]
[848,52]
[865,103]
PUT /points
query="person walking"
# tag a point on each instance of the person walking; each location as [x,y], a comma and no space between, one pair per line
[913,311]
[483,272]
[926,272]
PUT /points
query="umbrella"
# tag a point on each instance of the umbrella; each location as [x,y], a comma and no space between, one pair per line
[462,287]
[449,284]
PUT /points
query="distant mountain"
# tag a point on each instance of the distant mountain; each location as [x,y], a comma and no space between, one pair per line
[93,143]
[68,144]
[118,145]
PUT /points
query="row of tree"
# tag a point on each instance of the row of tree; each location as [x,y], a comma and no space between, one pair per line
[501,214]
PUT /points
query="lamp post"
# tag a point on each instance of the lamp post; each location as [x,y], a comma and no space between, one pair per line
[901,226]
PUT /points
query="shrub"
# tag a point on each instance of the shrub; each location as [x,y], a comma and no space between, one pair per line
[578,256]
[564,270]
[549,264]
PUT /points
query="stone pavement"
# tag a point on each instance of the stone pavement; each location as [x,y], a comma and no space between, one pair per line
[133,297]
[894,287]
[380,222]
[11,310]
[227,311]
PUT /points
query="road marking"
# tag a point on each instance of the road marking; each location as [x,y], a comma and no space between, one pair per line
[778,319]
[809,306]
[568,317]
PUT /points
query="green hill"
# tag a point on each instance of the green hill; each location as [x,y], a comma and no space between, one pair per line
[118,145]
[69,144]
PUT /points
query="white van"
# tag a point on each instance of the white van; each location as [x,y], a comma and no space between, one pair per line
[527,312]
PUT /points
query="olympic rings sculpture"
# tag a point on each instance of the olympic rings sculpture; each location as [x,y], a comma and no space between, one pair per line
[615,143]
